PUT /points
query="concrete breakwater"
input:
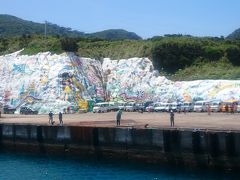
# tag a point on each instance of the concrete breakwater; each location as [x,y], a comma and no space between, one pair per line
[198,148]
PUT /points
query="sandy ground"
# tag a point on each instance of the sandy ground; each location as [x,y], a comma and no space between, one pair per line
[217,121]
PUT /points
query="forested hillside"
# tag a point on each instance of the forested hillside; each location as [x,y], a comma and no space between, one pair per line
[11,26]
[176,56]
[235,35]
[115,34]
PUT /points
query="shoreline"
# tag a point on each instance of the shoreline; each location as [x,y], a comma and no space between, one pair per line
[210,149]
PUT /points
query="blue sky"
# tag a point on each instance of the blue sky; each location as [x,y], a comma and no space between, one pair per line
[147,18]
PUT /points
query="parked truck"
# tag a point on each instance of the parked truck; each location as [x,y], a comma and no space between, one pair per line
[8,109]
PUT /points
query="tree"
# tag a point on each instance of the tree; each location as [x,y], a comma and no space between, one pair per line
[233,54]
[69,44]
[213,53]
[175,54]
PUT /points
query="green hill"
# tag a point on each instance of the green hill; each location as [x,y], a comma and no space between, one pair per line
[115,34]
[175,56]
[235,35]
[11,26]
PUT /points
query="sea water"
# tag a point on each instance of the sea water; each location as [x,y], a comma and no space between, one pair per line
[29,166]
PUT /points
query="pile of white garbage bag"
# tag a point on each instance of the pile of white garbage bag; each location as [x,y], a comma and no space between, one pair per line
[50,82]
[136,79]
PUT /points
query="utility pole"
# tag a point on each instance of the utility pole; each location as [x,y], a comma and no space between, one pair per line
[45,29]
[45,33]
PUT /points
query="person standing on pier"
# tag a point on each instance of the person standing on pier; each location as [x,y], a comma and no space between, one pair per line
[226,108]
[184,110]
[60,118]
[118,117]
[209,109]
[51,118]
[172,118]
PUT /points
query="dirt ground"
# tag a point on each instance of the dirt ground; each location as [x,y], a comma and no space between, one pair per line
[216,121]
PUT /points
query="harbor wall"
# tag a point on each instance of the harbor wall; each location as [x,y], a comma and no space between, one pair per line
[179,147]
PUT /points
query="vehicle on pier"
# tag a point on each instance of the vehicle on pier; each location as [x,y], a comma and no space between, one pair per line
[113,106]
[122,105]
[187,107]
[161,107]
[26,111]
[8,109]
[101,107]
[150,108]
[130,107]
[215,106]
[200,106]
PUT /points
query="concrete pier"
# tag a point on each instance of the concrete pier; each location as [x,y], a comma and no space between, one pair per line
[195,148]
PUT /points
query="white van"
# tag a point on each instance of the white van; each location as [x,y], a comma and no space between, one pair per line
[173,106]
[122,105]
[215,106]
[101,107]
[113,106]
[130,107]
[200,106]
[187,107]
[161,107]
[238,107]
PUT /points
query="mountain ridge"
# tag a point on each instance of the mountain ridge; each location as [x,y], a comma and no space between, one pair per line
[235,35]
[11,26]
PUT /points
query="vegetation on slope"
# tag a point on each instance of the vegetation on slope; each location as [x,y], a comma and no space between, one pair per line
[123,49]
[11,26]
[178,57]
[235,35]
[115,34]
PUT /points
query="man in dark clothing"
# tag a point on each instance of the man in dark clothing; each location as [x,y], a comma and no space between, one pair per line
[226,108]
[184,110]
[51,118]
[172,118]
[60,118]
[118,117]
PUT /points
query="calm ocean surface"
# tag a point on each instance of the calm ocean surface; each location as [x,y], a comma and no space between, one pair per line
[28,166]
